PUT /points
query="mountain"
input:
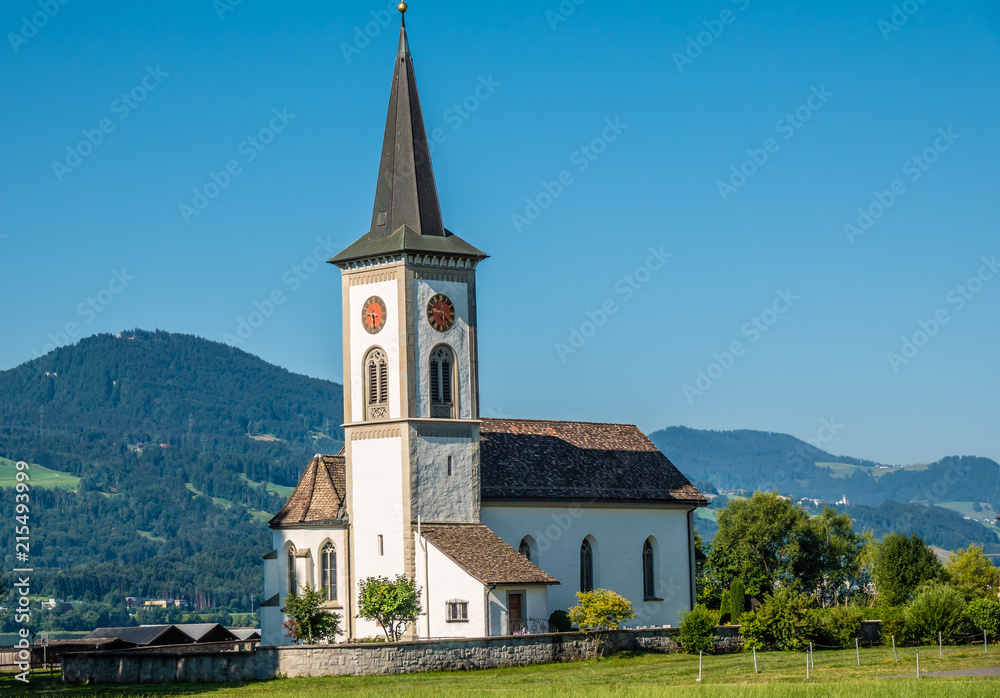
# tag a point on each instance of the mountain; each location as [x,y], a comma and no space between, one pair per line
[162,455]
[946,502]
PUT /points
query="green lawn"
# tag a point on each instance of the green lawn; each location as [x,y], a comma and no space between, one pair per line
[986,512]
[149,536]
[40,476]
[218,500]
[782,674]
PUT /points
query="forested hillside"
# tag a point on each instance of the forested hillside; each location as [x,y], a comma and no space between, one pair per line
[183,447]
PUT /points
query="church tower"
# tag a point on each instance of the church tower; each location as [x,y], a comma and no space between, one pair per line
[411,397]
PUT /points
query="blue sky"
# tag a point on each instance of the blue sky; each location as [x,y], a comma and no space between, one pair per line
[596,158]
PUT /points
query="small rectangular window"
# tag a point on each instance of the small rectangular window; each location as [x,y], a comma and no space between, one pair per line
[457,611]
[381,548]
[449,465]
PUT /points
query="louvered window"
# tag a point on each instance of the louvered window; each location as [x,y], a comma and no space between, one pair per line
[377,393]
[442,367]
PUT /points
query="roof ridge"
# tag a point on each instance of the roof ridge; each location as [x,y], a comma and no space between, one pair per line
[560,421]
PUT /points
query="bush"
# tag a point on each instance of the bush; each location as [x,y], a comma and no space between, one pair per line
[784,621]
[985,613]
[893,625]
[599,613]
[737,600]
[697,630]
[838,626]
[724,607]
[937,608]
[559,620]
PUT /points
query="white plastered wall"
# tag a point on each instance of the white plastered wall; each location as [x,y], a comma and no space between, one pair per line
[457,338]
[619,533]
[442,580]
[441,497]
[534,612]
[360,342]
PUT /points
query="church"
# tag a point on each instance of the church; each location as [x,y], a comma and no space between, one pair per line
[499,521]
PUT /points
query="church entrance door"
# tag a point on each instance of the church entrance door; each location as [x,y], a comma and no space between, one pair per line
[515,613]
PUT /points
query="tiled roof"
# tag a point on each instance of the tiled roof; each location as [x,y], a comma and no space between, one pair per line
[319,496]
[484,554]
[522,459]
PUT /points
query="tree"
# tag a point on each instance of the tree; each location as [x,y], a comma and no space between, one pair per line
[308,621]
[697,632]
[938,608]
[599,613]
[392,604]
[784,621]
[830,549]
[901,564]
[737,601]
[971,573]
[985,613]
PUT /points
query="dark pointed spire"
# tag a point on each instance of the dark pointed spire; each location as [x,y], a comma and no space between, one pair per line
[406,193]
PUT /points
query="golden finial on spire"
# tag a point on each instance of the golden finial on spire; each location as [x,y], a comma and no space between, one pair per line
[402,8]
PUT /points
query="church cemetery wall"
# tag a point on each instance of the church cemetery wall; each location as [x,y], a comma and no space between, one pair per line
[138,666]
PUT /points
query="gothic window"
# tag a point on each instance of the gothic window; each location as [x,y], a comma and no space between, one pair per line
[525,549]
[377,384]
[586,566]
[442,379]
[648,580]
[293,585]
[328,562]
[457,611]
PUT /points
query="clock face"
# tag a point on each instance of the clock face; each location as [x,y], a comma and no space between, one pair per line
[441,312]
[373,314]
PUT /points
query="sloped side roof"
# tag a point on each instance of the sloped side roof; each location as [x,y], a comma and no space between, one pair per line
[523,459]
[319,495]
[206,632]
[484,555]
[144,635]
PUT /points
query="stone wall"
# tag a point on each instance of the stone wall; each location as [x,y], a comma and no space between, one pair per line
[190,665]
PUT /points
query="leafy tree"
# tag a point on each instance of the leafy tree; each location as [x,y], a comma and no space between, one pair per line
[938,608]
[831,549]
[392,604]
[599,613]
[901,564]
[737,601]
[784,621]
[971,573]
[697,630]
[985,613]
[308,621]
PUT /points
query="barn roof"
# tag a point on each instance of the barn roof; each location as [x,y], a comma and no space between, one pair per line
[144,635]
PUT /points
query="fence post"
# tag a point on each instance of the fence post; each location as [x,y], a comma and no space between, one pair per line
[812,657]
[857,649]
[984,643]
[894,657]
[699,665]
[755,661]
[807,666]
[918,664]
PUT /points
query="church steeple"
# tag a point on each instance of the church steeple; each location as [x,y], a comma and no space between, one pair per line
[406,193]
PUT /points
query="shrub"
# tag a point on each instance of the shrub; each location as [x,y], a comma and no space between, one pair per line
[725,607]
[937,608]
[559,620]
[697,626]
[985,613]
[839,625]
[392,604]
[308,621]
[893,625]
[737,600]
[784,621]
[599,613]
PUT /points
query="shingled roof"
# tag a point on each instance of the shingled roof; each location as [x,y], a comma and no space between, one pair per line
[523,459]
[484,554]
[319,496]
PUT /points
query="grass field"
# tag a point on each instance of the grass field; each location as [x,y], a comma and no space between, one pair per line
[782,674]
[40,476]
[149,536]
[282,490]
[842,470]
[986,512]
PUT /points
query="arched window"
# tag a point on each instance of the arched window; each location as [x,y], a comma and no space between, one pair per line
[293,585]
[525,549]
[377,384]
[648,580]
[328,563]
[586,566]
[442,380]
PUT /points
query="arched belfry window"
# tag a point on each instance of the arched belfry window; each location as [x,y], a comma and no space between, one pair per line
[442,380]
[586,566]
[525,549]
[328,564]
[377,384]
[648,569]
[293,585]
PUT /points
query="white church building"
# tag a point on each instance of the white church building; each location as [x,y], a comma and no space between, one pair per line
[500,521]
